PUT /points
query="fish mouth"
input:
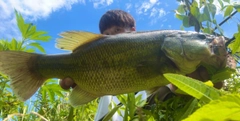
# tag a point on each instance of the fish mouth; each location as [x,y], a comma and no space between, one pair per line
[219,53]
[217,46]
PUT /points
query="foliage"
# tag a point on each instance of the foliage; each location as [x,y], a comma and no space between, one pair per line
[51,102]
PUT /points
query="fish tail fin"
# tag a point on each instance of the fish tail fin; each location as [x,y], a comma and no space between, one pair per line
[21,68]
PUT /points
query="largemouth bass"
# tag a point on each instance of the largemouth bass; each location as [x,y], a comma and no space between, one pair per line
[113,64]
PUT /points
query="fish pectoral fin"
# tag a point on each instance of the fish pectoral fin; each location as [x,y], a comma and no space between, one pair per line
[71,40]
[80,97]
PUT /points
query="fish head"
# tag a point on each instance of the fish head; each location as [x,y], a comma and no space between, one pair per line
[189,49]
[219,53]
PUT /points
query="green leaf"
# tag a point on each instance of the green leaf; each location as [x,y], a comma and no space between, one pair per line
[122,99]
[110,114]
[194,4]
[194,11]
[187,109]
[40,35]
[179,16]
[181,9]
[237,7]
[206,14]
[13,44]
[20,21]
[228,10]
[212,9]
[186,21]
[193,87]
[31,31]
[226,108]
[222,75]
[131,104]
[228,1]
[221,3]
[38,46]
[235,46]
[207,30]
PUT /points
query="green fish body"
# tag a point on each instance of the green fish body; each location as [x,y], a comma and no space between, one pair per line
[113,64]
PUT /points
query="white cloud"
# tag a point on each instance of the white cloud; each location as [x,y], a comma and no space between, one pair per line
[128,6]
[152,9]
[30,9]
[101,3]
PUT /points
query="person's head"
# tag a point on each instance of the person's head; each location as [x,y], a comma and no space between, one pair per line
[115,22]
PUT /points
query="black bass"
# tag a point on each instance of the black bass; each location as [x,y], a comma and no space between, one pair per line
[113,64]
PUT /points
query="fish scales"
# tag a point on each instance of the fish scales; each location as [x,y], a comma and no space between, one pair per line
[113,64]
[110,65]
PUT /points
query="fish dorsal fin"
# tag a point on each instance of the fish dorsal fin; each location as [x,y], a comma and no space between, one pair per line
[72,39]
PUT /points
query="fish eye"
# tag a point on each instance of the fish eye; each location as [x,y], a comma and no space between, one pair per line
[202,36]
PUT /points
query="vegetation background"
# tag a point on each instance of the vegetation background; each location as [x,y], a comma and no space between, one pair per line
[50,103]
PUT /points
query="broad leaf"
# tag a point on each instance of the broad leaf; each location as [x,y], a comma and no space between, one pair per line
[40,35]
[38,46]
[193,87]
[222,75]
[226,108]
[111,113]
[228,10]
[195,11]
[235,46]
[186,21]
[221,3]
[212,9]
[206,14]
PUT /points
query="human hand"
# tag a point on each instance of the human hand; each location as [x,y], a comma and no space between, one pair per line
[67,83]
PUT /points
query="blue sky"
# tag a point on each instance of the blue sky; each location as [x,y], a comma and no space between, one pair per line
[56,16]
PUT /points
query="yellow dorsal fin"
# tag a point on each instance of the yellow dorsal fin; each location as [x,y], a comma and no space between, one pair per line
[72,39]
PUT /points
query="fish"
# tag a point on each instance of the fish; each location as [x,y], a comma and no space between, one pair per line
[113,64]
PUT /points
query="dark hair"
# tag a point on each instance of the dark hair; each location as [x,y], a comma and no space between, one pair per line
[116,18]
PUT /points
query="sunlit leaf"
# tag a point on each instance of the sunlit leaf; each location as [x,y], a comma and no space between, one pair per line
[131,104]
[20,21]
[38,46]
[194,3]
[40,35]
[235,46]
[31,31]
[193,87]
[110,114]
[179,16]
[181,8]
[226,108]
[194,11]
[14,44]
[228,10]
[122,99]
